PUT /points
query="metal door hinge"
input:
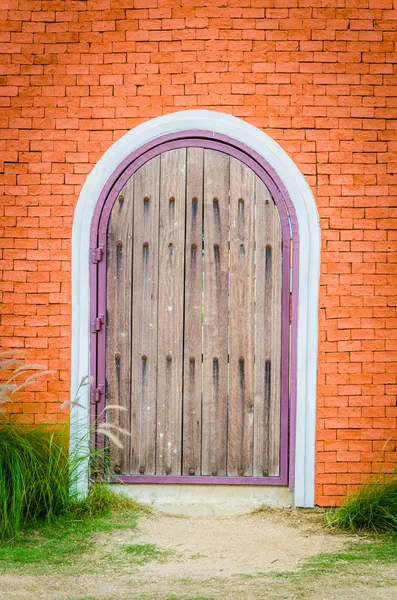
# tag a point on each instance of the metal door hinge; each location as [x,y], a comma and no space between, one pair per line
[96,325]
[96,254]
[96,394]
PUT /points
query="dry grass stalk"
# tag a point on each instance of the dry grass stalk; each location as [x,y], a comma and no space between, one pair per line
[15,375]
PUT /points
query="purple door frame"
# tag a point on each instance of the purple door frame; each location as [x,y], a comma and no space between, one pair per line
[289,228]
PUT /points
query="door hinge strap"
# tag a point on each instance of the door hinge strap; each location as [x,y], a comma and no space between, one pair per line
[96,325]
[96,394]
[96,254]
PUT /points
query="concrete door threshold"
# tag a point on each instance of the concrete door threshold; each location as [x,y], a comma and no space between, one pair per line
[202,500]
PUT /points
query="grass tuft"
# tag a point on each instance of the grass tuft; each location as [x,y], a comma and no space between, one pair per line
[38,476]
[34,476]
[373,508]
[144,553]
[102,501]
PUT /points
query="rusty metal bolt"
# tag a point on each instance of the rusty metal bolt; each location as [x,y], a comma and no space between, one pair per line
[121,198]
[194,199]
[241,360]
[241,472]
[268,246]
[194,246]
[168,470]
[216,246]
[192,471]
[169,357]
[215,200]
[117,356]
[172,199]
[214,471]
[241,245]
[146,244]
[215,359]
[142,470]
[117,469]
[265,473]
[267,201]
[144,357]
[146,199]
[170,245]
[241,200]
[119,244]
[192,359]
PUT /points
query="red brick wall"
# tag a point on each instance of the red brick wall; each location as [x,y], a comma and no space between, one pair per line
[320,81]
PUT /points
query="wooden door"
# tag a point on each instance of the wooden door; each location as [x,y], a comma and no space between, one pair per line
[193,320]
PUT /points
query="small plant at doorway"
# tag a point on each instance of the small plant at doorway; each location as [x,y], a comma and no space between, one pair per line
[37,472]
[372,508]
[34,476]
[33,470]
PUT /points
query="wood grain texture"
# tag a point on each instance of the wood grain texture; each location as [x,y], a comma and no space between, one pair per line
[241,320]
[144,318]
[273,327]
[118,322]
[215,325]
[170,312]
[192,380]
[193,349]
[267,335]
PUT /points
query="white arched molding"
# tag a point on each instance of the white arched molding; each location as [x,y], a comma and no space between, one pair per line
[309,265]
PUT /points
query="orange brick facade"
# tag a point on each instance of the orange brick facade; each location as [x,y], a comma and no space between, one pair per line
[318,76]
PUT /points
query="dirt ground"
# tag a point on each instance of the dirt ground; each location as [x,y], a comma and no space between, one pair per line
[222,547]
[245,557]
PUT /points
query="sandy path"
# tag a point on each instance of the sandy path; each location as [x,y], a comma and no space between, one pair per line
[225,546]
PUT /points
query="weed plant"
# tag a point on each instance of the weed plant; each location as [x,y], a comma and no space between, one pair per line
[101,501]
[34,476]
[37,473]
[373,508]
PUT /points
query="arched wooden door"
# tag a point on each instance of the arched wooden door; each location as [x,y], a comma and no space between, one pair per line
[194,313]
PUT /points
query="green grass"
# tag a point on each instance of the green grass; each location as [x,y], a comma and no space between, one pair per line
[144,553]
[373,508]
[382,550]
[34,476]
[61,540]
[37,474]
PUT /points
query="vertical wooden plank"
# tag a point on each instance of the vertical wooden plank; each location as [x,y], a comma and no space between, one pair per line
[261,400]
[193,314]
[118,320]
[215,324]
[170,311]
[267,335]
[144,318]
[241,319]
[274,327]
